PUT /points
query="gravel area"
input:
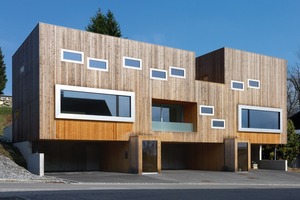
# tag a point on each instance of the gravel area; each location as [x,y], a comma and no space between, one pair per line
[11,172]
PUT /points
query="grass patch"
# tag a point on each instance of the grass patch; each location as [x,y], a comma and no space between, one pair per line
[5,118]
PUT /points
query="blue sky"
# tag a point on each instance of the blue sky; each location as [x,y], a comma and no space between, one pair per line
[269,27]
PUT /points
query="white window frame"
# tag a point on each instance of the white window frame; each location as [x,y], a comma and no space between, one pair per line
[241,129]
[96,59]
[218,127]
[60,115]
[157,78]
[131,67]
[209,114]
[178,68]
[237,88]
[253,86]
[72,61]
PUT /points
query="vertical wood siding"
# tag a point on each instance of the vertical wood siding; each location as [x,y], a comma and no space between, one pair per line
[221,66]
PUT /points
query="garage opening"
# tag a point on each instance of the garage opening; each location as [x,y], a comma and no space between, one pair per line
[84,156]
[192,156]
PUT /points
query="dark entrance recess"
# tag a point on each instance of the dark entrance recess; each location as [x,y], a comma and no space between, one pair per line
[149,156]
[243,156]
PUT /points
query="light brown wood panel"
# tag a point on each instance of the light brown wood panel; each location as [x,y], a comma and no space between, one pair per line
[91,130]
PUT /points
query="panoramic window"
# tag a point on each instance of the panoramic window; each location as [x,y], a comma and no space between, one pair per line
[218,123]
[260,119]
[72,56]
[254,84]
[132,63]
[158,74]
[177,72]
[237,85]
[206,110]
[94,104]
[97,64]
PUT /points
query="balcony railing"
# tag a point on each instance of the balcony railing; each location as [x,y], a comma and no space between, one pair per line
[172,126]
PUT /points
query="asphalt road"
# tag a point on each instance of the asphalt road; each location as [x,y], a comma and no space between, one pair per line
[168,185]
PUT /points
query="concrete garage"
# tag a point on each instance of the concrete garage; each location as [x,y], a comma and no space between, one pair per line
[85,156]
[192,156]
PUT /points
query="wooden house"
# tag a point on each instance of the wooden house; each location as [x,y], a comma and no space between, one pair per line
[96,102]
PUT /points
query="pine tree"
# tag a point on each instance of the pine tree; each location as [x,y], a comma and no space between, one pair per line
[3,78]
[112,26]
[104,24]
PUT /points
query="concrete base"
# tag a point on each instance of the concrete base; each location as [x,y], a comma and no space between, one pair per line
[35,162]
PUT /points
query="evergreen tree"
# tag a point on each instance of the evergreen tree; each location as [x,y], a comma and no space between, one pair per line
[112,26]
[3,78]
[291,150]
[104,24]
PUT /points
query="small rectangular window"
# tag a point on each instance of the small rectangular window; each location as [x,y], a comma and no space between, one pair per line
[237,85]
[254,84]
[97,64]
[218,123]
[206,110]
[72,56]
[132,63]
[177,72]
[22,69]
[158,74]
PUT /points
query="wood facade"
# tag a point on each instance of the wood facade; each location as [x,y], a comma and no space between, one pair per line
[208,82]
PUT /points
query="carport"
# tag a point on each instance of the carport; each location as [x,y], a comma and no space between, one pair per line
[84,155]
[192,156]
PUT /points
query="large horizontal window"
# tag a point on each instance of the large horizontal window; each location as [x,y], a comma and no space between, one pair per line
[72,56]
[94,104]
[260,119]
[132,63]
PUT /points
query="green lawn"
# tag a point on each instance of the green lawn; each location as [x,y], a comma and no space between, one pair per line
[5,117]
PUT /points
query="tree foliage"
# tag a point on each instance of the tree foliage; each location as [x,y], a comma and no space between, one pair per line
[104,24]
[293,88]
[3,78]
[288,151]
